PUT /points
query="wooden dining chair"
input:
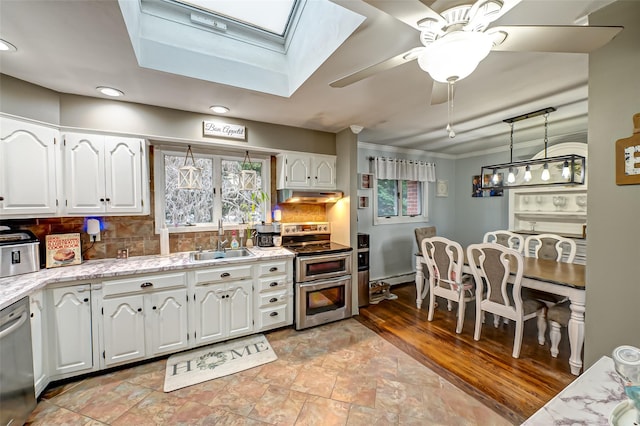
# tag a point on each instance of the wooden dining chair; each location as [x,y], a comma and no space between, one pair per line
[491,265]
[422,233]
[505,238]
[444,259]
[551,247]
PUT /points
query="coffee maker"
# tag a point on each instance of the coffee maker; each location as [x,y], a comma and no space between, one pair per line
[268,235]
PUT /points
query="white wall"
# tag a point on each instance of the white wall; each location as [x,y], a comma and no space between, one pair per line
[613,242]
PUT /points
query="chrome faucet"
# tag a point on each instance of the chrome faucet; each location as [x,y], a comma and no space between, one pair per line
[221,243]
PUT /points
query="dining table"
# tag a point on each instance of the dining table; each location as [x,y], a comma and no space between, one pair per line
[559,278]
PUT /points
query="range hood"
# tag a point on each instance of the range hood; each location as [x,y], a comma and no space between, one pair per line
[307,196]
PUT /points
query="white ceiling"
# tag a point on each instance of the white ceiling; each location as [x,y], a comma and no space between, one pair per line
[74,46]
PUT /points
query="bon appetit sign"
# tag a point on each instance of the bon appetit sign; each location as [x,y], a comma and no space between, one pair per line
[224,130]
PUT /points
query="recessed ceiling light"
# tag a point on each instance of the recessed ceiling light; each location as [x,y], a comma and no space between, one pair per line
[5,46]
[110,91]
[219,109]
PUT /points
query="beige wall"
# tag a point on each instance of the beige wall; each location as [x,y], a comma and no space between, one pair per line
[613,245]
[27,100]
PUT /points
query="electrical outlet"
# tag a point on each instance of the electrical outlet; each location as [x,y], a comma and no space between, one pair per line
[96,237]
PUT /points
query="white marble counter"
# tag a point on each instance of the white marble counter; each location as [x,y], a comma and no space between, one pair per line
[14,288]
[588,400]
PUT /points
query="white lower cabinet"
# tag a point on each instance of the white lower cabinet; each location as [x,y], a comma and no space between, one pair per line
[81,328]
[223,309]
[70,337]
[144,317]
[273,295]
[38,343]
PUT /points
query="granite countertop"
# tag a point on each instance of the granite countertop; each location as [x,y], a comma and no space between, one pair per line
[15,288]
[588,400]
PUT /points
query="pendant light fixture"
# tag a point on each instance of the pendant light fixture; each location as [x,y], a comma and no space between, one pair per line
[560,170]
[546,175]
[189,176]
[248,176]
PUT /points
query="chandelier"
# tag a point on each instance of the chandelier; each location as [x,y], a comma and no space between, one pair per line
[559,170]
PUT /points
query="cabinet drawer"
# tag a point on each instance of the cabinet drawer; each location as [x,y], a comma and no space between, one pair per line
[144,283]
[272,283]
[272,268]
[230,273]
[272,299]
[272,317]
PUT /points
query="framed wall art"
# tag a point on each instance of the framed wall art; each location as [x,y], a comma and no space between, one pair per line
[365,181]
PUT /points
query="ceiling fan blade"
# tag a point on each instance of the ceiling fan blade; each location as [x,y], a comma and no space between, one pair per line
[387,64]
[486,7]
[439,93]
[408,11]
[569,39]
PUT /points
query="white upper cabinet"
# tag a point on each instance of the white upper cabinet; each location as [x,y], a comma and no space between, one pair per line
[104,175]
[306,171]
[27,169]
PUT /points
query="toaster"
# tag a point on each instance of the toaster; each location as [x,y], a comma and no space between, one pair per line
[19,253]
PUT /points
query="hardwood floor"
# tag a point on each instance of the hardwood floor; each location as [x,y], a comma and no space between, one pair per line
[515,388]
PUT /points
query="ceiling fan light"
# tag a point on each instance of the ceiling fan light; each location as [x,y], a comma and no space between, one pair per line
[455,55]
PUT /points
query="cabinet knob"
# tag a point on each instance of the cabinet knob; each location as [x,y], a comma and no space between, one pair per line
[273,314]
[273,300]
[1,198]
[154,308]
[145,285]
[102,200]
[139,309]
[273,269]
[108,199]
[86,299]
[273,284]
[225,275]
[31,314]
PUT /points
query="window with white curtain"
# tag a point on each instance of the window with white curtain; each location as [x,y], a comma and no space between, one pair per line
[189,210]
[400,190]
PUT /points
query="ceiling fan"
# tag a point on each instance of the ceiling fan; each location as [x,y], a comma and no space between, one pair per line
[458,38]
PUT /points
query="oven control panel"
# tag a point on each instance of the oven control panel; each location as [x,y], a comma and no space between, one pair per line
[307,228]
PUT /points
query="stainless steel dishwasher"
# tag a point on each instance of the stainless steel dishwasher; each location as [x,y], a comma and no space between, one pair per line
[17,395]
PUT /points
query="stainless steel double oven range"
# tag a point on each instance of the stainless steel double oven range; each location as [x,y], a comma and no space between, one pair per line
[322,274]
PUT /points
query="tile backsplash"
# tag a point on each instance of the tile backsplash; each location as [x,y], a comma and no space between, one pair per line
[137,233]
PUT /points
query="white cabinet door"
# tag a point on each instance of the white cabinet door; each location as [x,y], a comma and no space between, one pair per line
[124,329]
[240,308]
[27,168]
[104,174]
[323,172]
[123,174]
[84,174]
[298,171]
[38,344]
[167,321]
[70,315]
[209,313]
[306,171]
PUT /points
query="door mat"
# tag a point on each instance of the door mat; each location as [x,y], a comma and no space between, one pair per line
[211,362]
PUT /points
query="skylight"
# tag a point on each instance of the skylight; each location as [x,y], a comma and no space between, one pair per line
[272,16]
[238,45]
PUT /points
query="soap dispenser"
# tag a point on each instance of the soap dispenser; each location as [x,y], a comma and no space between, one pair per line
[234,240]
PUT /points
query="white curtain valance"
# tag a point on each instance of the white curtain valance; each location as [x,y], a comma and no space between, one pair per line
[400,169]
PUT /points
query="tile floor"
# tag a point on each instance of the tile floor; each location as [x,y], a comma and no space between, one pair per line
[337,374]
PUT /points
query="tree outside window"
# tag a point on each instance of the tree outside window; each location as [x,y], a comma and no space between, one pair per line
[399,201]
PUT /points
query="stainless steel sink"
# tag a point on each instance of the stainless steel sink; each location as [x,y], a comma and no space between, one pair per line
[212,255]
[242,252]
